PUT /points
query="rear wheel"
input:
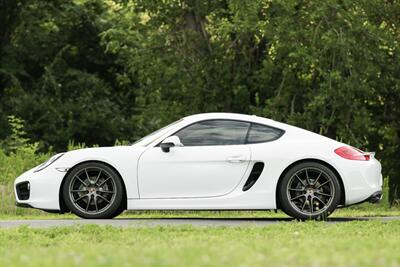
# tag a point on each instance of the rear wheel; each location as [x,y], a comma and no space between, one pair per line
[93,191]
[309,190]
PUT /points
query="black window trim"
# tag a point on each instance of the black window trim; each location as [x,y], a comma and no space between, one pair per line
[247,134]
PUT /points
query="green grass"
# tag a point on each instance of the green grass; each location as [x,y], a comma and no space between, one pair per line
[355,243]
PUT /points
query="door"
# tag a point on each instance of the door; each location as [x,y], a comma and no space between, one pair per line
[211,162]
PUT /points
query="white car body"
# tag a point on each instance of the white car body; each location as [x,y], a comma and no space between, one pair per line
[206,177]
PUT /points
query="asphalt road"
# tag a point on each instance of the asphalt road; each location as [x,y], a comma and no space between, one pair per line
[128,222]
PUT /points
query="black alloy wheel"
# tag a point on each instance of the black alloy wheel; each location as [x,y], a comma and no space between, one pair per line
[309,190]
[93,190]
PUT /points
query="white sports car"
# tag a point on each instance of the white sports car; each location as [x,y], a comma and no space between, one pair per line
[212,161]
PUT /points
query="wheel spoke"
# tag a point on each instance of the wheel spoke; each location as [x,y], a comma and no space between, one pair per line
[322,194]
[87,175]
[320,200]
[98,176]
[296,197]
[307,178]
[104,198]
[316,180]
[108,178]
[106,191]
[304,205]
[297,189]
[88,203]
[324,183]
[79,190]
[311,205]
[80,180]
[95,203]
[301,181]
[81,197]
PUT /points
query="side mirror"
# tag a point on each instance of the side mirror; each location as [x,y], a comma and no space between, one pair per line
[170,142]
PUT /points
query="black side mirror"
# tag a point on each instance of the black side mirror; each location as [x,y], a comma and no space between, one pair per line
[166,146]
[170,142]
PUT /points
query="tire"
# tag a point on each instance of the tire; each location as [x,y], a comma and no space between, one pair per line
[309,190]
[93,190]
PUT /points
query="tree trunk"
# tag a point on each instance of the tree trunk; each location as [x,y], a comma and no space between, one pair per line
[394,173]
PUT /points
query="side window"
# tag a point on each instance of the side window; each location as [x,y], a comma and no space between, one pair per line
[260,133]
[214,133]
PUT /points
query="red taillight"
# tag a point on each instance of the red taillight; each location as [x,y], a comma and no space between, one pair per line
[352,153]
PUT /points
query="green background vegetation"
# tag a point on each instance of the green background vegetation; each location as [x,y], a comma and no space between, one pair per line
[97,71]
[101,70]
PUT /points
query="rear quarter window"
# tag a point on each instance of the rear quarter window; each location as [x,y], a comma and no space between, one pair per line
[261,133]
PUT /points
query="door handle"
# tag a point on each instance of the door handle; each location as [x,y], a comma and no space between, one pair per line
[236,159]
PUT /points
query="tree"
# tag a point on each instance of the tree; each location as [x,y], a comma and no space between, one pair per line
[96,71]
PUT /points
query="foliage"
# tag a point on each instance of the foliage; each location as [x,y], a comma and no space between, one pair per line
[101,70]
[17,155]
[17,140]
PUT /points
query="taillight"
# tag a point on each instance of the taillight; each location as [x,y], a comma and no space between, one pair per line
[352,153]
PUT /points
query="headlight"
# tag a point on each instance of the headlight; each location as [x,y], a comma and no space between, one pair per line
[47,163]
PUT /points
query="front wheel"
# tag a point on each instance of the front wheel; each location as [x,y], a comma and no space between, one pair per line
[93,191]
[309,190]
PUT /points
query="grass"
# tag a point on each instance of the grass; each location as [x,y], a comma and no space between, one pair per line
[354,243]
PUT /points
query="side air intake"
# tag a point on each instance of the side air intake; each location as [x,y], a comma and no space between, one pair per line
[254,175]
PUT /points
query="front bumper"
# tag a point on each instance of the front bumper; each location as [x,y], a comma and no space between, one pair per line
[40,190]
[23,205]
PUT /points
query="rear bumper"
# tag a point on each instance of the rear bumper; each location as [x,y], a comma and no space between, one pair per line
[375,197]
[362,180]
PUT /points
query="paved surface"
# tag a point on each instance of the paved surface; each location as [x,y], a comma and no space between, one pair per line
[127,222]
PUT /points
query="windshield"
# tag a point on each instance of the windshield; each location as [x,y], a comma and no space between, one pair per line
[144,141]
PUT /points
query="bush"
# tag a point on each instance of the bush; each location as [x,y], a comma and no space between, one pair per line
[17,155]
